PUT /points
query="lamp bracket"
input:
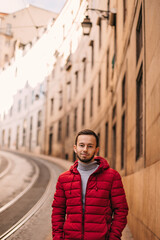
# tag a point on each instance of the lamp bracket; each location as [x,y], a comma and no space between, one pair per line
[100,11]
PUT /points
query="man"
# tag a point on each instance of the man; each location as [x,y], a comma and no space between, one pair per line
[89,202]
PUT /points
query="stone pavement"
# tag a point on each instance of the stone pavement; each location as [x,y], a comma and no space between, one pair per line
[127,235]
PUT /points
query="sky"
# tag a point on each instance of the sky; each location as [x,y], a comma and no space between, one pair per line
[9,6]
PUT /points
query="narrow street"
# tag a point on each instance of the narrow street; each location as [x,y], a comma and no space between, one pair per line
[29,207]
[27,212]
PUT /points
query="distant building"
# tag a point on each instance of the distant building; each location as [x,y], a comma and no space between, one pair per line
[20,28]
[23,128]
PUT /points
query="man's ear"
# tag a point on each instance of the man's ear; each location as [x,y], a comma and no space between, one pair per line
[75,148]
[97,150]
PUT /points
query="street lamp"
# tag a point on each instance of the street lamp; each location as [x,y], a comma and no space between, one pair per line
[109,15]
[86,25]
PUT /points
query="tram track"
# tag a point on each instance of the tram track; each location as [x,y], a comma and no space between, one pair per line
[15,215]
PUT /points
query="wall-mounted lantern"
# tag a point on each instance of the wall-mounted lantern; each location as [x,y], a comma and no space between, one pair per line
[86,25]
[109,15]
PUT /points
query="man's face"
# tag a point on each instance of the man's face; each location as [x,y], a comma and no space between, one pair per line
[86,148]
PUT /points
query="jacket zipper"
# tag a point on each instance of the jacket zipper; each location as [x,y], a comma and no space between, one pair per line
[83,212]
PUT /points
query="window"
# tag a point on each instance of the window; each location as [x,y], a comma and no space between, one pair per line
[123,90]
[41,89]
[76,82]
[114,147]
[6,58]
[139,117]
[39,119]
[66,156]
[69,91]
[8,29]
[124,11]
[91,103]
[114,112]
[63,31]
[92,52]
[32,97]
[99,88]
[19,105]
[30,134]
[99,23]
[75,120]
[11,111]
[83,112]
[39,123]
[60,99]
[17,137]
[31,123]
[106,140]
[123,141]
[84,69]
[107,69]
[3,137]
[67,127]
[52,106]
[59,131]
[9,138]
[25,102]
[24,133]
[53,73]
[108,5]
[139,40]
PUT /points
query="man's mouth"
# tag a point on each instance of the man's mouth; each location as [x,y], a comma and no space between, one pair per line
[84,155]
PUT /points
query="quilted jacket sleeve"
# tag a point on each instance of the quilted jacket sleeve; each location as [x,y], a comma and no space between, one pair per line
[58,212]
[119,207]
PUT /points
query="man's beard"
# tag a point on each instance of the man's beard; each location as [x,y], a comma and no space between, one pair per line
[86,160]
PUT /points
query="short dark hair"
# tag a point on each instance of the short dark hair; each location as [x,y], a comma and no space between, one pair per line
[87,132]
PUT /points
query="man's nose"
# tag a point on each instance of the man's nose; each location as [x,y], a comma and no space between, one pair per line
[85,148]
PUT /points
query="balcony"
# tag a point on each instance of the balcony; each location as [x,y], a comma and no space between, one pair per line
[6,33]
[68,64]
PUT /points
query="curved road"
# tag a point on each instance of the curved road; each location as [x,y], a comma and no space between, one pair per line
[31,214]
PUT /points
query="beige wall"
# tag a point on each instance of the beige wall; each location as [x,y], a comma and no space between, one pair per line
[140,176]
[143,194]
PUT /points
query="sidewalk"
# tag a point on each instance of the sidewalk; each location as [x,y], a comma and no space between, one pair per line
[126,235]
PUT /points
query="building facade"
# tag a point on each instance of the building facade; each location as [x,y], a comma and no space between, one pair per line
[23,128]
[21,28]
[110,84]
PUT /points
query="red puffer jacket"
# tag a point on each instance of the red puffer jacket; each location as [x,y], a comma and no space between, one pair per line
[105,205]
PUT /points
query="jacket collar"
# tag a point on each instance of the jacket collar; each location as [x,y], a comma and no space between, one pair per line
[103,164]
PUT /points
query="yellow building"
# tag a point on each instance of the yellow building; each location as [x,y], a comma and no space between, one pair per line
[109,82]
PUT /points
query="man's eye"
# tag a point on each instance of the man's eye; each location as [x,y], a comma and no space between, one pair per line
[90,146]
